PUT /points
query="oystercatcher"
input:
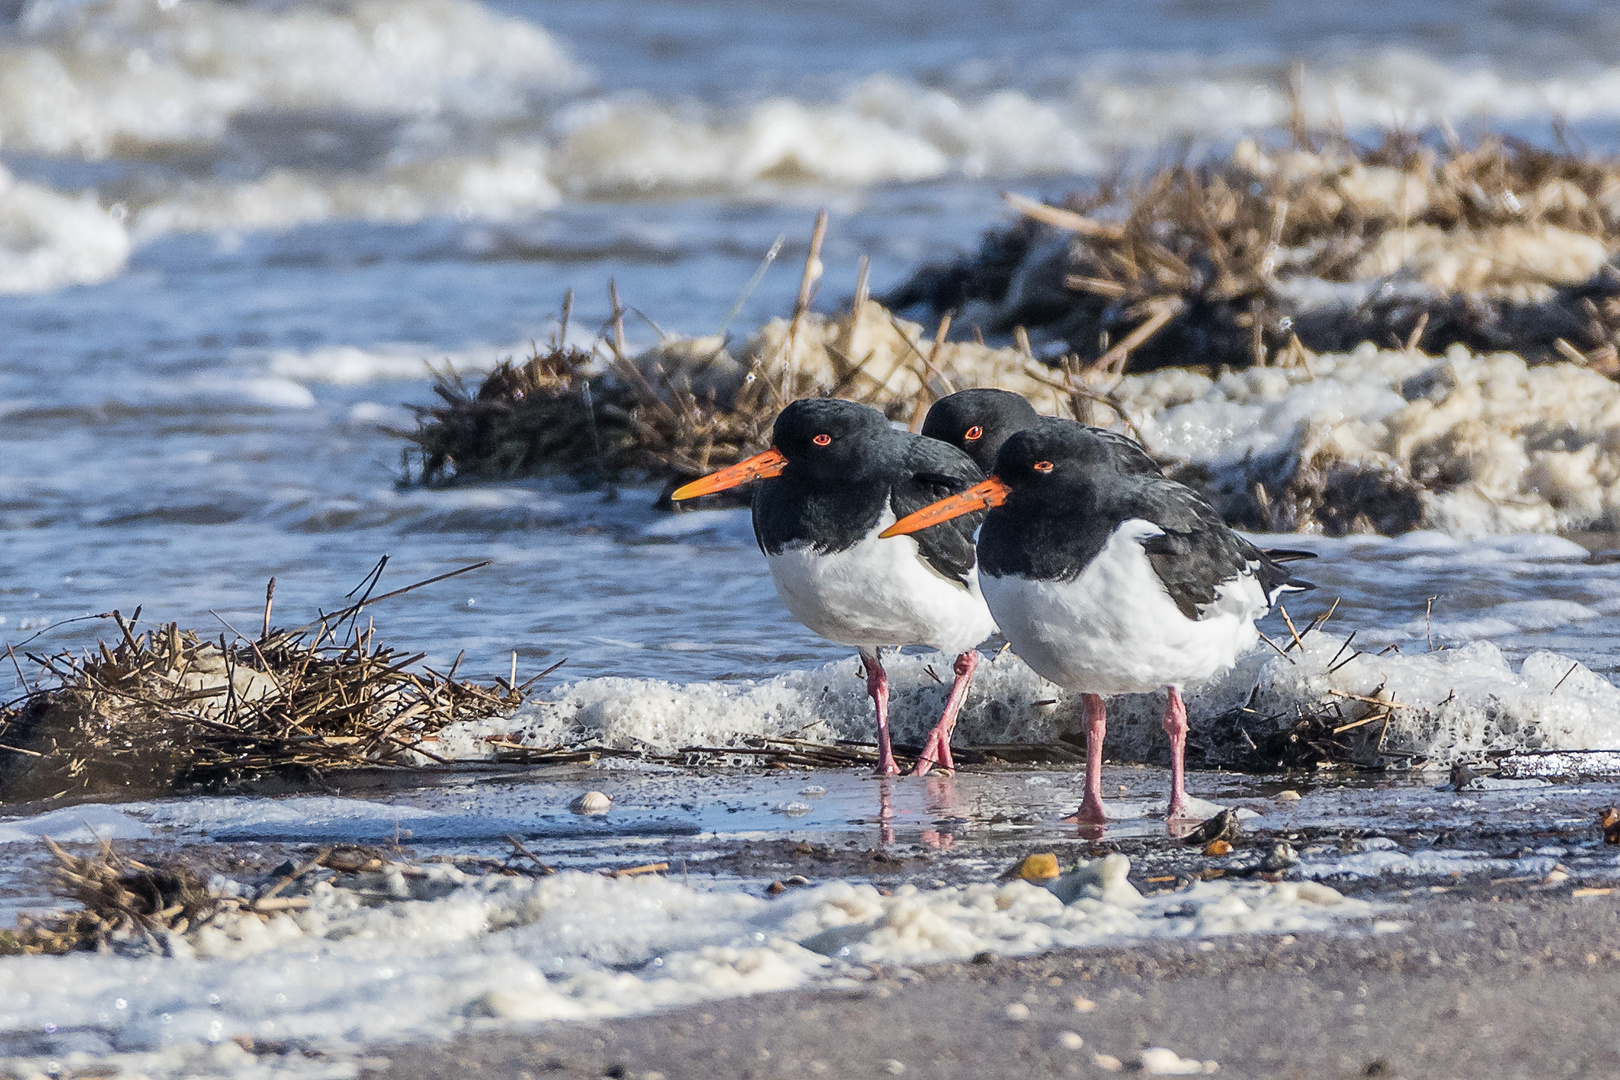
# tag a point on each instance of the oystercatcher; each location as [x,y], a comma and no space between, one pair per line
[836,475]
[978,421]
[1110,578]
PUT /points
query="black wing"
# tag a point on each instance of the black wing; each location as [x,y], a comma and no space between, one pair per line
[934,471]
[1128,456]
[1197,552]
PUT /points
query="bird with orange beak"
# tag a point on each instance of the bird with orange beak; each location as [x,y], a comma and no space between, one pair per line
[836,476]
[1107,577]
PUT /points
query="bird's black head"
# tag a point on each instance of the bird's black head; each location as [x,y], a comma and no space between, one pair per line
[978,422]
[1055,463]
[827,439]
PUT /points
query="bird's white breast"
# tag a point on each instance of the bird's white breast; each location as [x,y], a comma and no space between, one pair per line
[1115,629]
[880,592]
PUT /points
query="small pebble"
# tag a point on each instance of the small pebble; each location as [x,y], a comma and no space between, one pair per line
[1070,1040]
[592,802]
[1287,796]
[1217,847]
[1160,1061]
[1037,868]
[1084,1004]
[1107,1062]
[894,1067]
[1018,1012]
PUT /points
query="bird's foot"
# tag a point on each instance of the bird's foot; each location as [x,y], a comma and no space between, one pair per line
[1091,812]
[886,767]
[936,753]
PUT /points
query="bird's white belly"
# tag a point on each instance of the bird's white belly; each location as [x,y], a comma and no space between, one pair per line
[1115,629]
[880,592]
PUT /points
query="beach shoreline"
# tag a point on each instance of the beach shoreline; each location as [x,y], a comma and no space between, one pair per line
[1482,982]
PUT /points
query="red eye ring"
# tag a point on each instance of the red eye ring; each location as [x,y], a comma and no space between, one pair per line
[822,440]
[973,433]
[1042,466]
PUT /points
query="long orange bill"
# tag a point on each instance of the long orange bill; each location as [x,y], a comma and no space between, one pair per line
[980,496]
[758,467]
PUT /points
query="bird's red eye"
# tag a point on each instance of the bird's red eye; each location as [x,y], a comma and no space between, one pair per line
[973,433]
[822,440]
[1043,466]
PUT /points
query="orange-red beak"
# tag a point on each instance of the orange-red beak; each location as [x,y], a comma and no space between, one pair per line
[980,496]
[758,467]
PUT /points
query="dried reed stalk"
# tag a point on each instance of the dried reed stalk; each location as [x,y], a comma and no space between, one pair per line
[163,710]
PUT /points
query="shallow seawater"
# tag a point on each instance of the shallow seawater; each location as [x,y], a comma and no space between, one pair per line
[880,875]
[232,234]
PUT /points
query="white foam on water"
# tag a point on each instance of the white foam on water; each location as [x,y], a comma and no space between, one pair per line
[96,79]
[351,365]
[884,129]
[509,182]
[85,824]
[49,239]
[1451,703]
[430,956]
[1501,447]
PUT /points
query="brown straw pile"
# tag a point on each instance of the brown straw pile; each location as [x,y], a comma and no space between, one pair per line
[1320,246]
[164,710]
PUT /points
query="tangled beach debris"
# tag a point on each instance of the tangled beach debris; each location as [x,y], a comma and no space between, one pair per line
[1272,253]
[164,710]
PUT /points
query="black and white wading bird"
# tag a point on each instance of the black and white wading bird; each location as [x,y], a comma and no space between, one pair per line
[1110,578]
[836,475]
[978,421]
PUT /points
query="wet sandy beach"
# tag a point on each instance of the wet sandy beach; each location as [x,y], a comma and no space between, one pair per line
[1502,983]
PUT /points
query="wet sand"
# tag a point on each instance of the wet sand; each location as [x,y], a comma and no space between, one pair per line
[1504,983]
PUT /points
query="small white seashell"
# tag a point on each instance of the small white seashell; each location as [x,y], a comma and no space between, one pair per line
[592,802]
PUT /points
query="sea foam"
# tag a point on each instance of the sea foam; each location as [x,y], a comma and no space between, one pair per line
[428,954]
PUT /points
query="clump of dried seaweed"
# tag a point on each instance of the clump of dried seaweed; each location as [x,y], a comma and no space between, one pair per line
[1498,246]
[118,898]
[675,412]
[118,901]
[163,709]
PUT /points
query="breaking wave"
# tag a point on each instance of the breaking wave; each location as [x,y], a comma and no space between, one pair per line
[234,116]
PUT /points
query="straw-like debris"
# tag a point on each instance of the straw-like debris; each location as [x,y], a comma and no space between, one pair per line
[674,412]
[781,752]
[1256,258]
[164,710]
[117,899]
[116,902]
[565,411]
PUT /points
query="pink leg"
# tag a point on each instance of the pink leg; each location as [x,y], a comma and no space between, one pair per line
[877,684]
[1091,807]
[1175,726]
[937,750]
[885,812]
